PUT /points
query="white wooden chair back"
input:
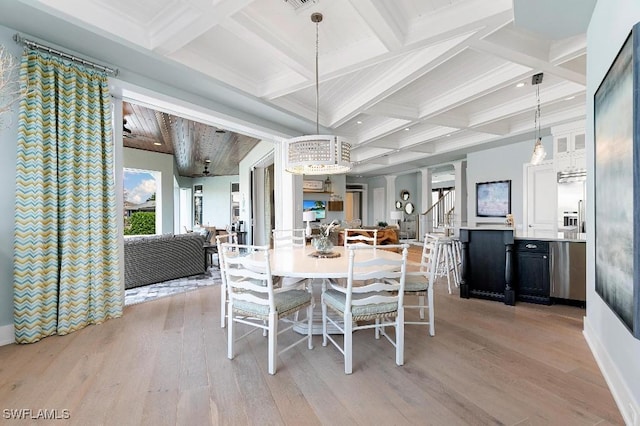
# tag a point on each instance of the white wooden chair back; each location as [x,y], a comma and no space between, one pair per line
[360,236]
[284,238]
[247,275]
[380,279]
[230,237]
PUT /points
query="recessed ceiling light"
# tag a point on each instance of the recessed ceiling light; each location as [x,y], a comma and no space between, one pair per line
[358,122]
[157,143]
[521,84]
[407,129]
[569,98]
[448,134]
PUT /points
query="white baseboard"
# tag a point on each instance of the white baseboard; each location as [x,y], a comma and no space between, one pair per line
[619,389]
[6,335]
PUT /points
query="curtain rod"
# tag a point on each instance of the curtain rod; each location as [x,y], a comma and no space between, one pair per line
[29,43]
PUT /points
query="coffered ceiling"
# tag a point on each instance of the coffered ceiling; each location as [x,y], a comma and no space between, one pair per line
[411,83]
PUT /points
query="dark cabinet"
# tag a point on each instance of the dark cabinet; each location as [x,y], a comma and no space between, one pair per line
[532,266]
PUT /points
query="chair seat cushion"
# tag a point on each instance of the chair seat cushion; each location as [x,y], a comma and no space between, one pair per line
[285,303]
[336,300]
[414,283]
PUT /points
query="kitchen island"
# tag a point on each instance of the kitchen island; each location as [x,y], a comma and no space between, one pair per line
[536,266]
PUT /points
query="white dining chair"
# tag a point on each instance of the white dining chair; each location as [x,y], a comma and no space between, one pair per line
[254,301]
[374,292]
[283,238]
[232,238]
[419,284]
[360,236]
[289,238]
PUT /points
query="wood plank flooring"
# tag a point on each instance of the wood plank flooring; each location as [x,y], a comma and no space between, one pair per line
[164,363]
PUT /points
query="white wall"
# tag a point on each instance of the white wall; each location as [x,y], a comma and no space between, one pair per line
[503,163]
[409,182]
[8,142]
[216,200]
[615,349]
[163,163]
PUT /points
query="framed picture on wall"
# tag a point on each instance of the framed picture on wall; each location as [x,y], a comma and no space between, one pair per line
[617,180]
[493,199]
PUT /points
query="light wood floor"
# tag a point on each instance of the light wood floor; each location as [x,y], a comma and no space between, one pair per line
[165,362]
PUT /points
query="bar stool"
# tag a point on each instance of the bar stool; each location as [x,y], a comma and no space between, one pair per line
[446,264]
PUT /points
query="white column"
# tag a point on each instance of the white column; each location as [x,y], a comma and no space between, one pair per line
[460,215]
[425,224]
[390,196]
[288,192]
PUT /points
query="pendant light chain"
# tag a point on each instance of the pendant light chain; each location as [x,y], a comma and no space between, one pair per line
[537,118]
[317,83]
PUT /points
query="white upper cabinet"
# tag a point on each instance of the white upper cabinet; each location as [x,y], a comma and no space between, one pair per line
[569,146]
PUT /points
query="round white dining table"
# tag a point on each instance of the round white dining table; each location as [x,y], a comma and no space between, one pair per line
[297,262]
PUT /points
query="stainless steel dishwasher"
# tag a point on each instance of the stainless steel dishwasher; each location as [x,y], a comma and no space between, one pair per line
[568,270]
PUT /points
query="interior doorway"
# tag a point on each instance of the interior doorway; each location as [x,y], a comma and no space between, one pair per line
[263,192]
[353,206]
[355,203]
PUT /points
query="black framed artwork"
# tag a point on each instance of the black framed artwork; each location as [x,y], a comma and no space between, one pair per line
[617,179]
[493,199]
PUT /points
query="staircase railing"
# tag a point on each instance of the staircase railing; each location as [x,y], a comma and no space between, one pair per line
[440,213]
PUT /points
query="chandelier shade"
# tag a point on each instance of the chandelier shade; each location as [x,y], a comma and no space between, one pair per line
[317,154]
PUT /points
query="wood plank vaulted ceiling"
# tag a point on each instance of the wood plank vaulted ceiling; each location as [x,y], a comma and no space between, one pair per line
[191,143]
[411,83]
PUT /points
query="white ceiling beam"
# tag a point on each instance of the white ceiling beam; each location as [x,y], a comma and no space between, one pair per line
[464,14]
[252,29]
[525,103]
[385,29]
[498,128]
[565,50]
[522,58]
[425,148]
[394,110]
[448,119]
[482,85]
[387,128]
[169,36]
[209,66]
[378,87]
[385,143]
[551,119]
[110,21]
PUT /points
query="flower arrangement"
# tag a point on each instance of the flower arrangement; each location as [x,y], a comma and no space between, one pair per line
[325,229]
[322,243]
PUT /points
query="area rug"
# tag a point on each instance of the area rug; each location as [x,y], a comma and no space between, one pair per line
[146,293]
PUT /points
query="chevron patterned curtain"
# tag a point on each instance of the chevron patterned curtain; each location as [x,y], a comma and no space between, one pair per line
[66,269]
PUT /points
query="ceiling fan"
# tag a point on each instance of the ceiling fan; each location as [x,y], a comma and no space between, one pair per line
[128,133]
[205,172]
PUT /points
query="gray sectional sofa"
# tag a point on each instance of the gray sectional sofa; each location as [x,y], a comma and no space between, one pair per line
[155,258]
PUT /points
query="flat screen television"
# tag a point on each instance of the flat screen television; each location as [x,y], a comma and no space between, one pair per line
[493,199]
[317,206]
